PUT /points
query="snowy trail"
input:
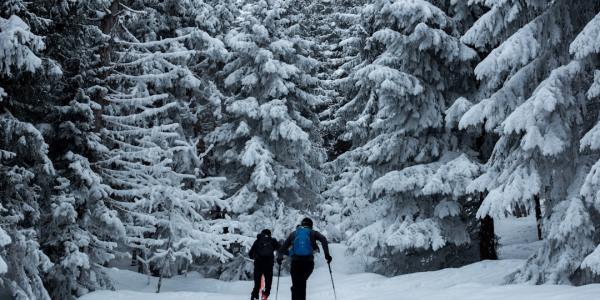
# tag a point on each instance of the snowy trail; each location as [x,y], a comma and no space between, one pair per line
[477,281]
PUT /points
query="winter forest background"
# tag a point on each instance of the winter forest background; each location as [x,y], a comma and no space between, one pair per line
[173,131]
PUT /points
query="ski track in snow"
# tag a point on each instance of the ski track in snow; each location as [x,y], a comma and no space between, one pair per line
[481,280]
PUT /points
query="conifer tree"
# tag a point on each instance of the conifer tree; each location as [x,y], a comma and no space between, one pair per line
[25,169]
[152,167]
[80,230]
[267,141]
[409,67]
[533,95]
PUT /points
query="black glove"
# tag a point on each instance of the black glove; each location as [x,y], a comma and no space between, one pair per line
[328,258]
[279,260]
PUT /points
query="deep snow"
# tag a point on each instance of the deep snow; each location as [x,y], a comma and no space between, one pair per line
[483,280]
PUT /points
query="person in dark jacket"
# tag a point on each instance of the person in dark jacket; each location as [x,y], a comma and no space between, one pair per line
[262,251]
[302,265]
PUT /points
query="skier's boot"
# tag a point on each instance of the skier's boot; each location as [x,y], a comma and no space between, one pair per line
[264,295]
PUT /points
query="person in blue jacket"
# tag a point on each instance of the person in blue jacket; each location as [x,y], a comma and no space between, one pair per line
[300,246]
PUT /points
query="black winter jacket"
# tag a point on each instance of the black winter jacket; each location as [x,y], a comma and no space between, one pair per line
[253,255]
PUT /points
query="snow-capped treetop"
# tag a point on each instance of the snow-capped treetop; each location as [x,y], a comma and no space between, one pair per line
[588,40]
[408,14]
[18,47]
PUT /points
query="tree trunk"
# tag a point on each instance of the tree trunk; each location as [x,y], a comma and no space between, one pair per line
[487,237]
[107,25]
[538,216]
[159,283]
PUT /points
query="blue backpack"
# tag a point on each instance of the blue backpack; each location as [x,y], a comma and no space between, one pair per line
[302,245]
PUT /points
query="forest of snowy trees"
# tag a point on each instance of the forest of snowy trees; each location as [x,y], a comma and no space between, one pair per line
[170,132]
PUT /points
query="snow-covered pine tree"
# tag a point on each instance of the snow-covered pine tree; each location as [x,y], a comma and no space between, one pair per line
[267,143]
[203,106]
[325,25]
[25,172]
[409,66]
[217,17]
[152,168]
[352,35]
[81,231]
[25,169]
[586,47]
[533,95]
[346,50]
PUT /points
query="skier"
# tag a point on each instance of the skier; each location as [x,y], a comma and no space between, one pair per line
[303,243]
[262,252]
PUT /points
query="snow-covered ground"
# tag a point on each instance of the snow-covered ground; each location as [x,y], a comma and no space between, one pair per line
[518,237]
[481,280]
[477,281]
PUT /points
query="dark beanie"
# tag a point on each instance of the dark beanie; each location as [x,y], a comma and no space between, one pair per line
[307,222]
[266,232]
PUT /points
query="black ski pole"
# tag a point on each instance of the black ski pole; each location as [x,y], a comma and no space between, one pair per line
[277,289]
[332,284]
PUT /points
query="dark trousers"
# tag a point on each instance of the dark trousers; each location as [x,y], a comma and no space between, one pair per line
[300,271]
[262,268]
